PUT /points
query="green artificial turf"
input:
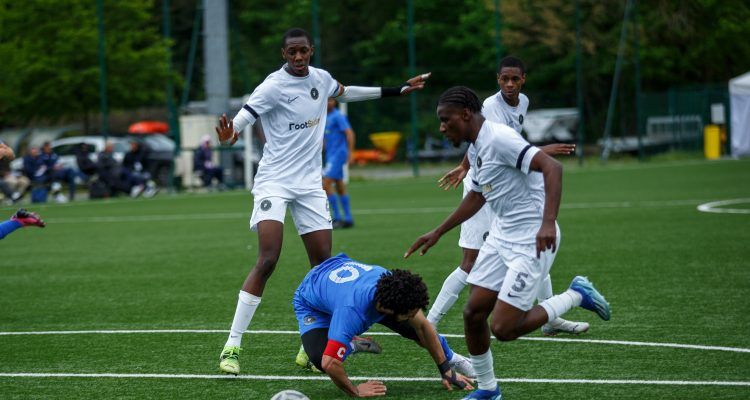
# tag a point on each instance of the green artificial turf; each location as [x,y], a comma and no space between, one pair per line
[671,273]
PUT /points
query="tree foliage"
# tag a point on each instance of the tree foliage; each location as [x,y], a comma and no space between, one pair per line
[50,68]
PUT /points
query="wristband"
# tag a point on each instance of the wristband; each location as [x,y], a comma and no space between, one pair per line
[393,91]
[444,367]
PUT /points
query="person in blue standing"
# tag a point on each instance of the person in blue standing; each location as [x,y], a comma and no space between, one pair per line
[338,145]
[20,219]
[342,298]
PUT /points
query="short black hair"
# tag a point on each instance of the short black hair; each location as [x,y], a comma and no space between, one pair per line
[511,62]
[401,291]
[293,33]
[463,97]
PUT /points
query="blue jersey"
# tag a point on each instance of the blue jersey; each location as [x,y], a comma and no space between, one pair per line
[339,294]
[335,133]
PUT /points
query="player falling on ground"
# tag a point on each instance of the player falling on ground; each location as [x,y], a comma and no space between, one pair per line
[292,102]
[338,146]
[508,106]
[516,257]
[342,298]
[20,219]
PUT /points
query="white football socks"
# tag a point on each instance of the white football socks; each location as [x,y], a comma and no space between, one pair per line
[246,306]
[485,372]
[560,304]
[452,287]
[545,289]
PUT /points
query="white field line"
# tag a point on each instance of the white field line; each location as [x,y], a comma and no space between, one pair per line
[717,207]
[448,335]
[366,378]
[371,211]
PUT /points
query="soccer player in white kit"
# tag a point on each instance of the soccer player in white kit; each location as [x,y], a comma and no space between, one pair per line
[293,104]
[520,249]
[508,106]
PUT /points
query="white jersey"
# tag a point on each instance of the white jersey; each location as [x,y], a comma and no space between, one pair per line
[294,118]
[502,163]
[497,110]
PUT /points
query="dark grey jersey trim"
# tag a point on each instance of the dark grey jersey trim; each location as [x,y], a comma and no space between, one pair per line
[519,161]
[250,109]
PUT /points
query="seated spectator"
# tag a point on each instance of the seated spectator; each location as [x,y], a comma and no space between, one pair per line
[203,163]
[110,172]
[11,185]
[85,163]
[136,173]
[56,173]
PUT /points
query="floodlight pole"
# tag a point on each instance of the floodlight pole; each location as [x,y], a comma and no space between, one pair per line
[174,126]
[413,95]
[192,52]
[316,33]
[579,84]
[637,61]
[102,70]
[498,38]
[616,79]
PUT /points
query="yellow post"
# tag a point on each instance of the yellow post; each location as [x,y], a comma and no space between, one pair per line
[712,142]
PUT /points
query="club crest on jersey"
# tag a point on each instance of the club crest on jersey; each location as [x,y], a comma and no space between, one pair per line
[486,188]
[479,162]
[520,119]
[265,205]
[314,93]
[308,320]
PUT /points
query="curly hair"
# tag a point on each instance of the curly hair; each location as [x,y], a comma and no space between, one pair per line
[462,97]
[401,291]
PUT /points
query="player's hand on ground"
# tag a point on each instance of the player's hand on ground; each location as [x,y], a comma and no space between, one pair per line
[546,238]
[453,178]
[371,389]
[424,242]
[416,83]
[559,149]
[452,378]
[225,131]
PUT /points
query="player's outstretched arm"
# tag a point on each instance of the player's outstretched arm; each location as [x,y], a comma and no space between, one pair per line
[546,238]
[225,131]
[454,177]
[558,149]
[335,370]
[428,338]
[469,206]
[361,93]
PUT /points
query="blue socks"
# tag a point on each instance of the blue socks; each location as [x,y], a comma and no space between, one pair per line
[345,206]
[446,349]
[7,227]
[333,202]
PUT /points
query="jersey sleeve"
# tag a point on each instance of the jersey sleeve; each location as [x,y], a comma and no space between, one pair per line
[346,322]
[262,100]
[514,150]
[332,84]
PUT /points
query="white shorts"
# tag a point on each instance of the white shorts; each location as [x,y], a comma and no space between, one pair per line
[512,270]
[309,208]
[474,230]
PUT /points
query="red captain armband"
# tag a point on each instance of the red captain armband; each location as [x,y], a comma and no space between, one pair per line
[335,349]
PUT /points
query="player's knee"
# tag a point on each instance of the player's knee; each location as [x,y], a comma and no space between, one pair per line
[503,332]
[265,266]
[473,316]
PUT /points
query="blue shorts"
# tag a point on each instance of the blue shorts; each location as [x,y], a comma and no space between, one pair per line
[307,317]
[334,168]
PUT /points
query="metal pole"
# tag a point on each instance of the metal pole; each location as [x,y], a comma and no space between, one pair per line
[637,60]
[498,38]
[316,34]
[413,95]
[579,84]
[191,54]
[615,81]
[174,126]
[102,70]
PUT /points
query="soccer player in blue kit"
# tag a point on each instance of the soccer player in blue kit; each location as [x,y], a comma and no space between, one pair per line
[338,146]
[342,298]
